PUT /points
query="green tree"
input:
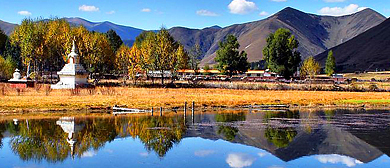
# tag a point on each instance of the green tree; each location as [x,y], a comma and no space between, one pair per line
[115,40]
[166,54]
[280,53]
[147,43]
[7,67]
[143,36]
[230,60]
[13,51]
[194,58]
[330,65]
[3,40]
[310,67]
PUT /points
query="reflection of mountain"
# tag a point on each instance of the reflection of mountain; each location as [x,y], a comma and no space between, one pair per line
[328,140]
[325,140]
[379,138]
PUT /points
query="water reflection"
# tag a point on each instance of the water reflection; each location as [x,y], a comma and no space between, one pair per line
[337,137]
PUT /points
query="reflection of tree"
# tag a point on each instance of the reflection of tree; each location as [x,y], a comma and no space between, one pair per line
[40,140]
[157,133]
[280,137]
[45,140]
[229,132]
[2,130]
[230,117]
[329,114]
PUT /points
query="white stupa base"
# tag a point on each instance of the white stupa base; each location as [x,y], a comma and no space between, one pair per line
[71,82]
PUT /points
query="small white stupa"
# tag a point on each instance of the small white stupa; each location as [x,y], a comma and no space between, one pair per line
[73,74]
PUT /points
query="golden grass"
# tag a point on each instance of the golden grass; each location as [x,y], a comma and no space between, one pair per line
[368,76]
[145,98]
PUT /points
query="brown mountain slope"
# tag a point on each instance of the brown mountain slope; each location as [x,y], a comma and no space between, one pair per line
[315,33]
[366,52]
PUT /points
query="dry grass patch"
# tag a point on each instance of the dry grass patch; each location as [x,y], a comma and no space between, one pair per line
[145,98]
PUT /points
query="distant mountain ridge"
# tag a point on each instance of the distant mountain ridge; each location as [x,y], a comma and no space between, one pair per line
[7,27]
[315,33]
[125,32]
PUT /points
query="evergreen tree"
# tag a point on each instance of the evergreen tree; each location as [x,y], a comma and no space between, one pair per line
[230,60]
[330,65]
[280,53]
[194,57]
[3,40]
[115,40]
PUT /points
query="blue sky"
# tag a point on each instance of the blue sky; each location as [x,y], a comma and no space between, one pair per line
[152,14]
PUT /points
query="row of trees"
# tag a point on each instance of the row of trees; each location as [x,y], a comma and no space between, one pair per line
[43,45]
[152,52]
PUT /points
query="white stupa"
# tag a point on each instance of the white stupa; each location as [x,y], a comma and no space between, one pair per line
[73,74]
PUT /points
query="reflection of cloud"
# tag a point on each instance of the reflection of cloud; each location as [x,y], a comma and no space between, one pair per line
[89,154]
[334,158]
[239,160]
[144,154]
[261,154]
[203,153]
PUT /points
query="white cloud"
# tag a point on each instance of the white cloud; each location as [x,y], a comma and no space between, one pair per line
[89,154]
[263,13]
[335,0]
[339,11]
[241,7]
[25,13]
[262,154]
[203,153]
[86,8]
[239,160]
[110,12]
[205,13]
[334,158]
[146,10]
[279,0]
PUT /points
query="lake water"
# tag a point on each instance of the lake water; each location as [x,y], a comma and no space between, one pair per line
[274,139]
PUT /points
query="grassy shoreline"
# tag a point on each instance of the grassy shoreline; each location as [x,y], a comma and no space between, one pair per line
[30,100]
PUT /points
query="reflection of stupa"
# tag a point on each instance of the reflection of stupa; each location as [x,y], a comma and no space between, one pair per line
[73,74]
[69,126]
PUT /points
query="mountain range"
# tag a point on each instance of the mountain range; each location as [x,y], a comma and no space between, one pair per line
[315,33]
[368,51]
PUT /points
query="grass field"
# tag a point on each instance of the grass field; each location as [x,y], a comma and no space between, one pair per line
[144,98]
[368,76]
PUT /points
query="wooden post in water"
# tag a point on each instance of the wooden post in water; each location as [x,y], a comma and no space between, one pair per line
[152,111]
[193,111]
[250,108]
[185,110]
[160,111]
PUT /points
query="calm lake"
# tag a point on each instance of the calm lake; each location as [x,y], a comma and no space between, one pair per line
[274,139]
